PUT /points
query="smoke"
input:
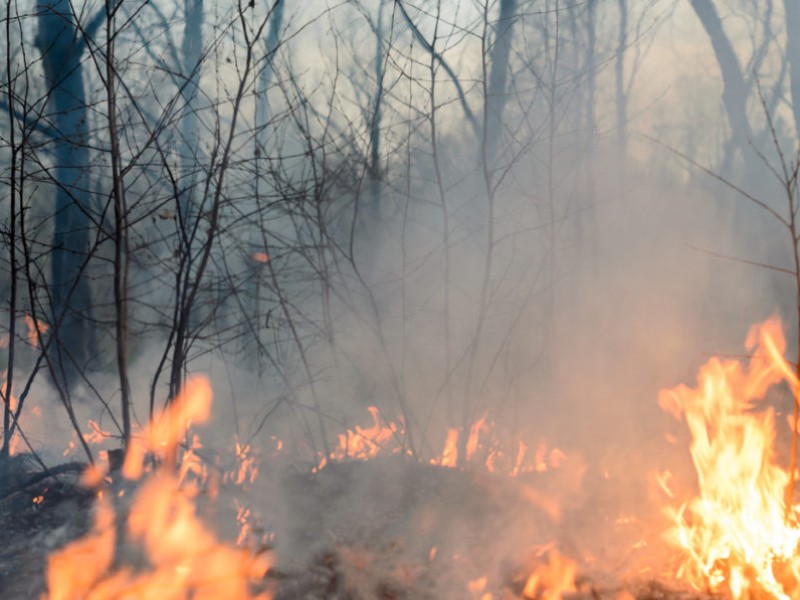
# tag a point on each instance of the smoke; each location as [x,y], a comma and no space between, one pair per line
[552,281]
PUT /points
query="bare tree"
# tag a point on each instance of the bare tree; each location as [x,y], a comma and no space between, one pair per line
[792,12]
[735,90]
[62,41]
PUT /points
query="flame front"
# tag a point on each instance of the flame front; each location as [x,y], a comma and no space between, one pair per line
[737,533]
[482,447]
[184,559]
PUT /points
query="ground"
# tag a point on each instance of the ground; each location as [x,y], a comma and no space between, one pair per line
[387,528]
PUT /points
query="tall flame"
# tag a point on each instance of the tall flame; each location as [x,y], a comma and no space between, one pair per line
[737,533]
[184,558]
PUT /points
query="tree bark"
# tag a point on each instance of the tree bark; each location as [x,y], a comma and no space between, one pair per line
[498,74]
[62,44]
[192,51]
[734,95]
[792,16]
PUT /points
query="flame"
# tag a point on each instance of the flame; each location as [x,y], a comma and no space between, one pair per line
[246,469]
[96,435]
[162,435]
[546,459]
[475,431]
[477,586]
[261,257]
[15,442]
[192,468]
[184,558]
[242,474]
[79,567]
[482,448]
[35,328]
[449,456]
[363,443]
[550,580]
[736,534]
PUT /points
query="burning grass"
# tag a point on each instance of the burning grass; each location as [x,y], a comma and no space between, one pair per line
[499,522]
[737,534]
[157,547]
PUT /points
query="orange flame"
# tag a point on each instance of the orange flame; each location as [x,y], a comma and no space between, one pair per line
[79,567]
[362,443]
[475,431]
[161,436]
[246,469]
[735,534]
[15,442]
[34,329]
[482,447]
[96,435]
[185,559]
[449,457]
[550,580]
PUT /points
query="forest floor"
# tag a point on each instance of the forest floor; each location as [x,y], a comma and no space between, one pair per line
[387,528]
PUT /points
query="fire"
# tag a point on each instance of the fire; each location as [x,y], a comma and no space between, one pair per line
[553,579]
[246,468]
[13,403]
[546,460]
[449,456]
[737,534]
[35,329]
[184,558]
[362,443]
[552,575]
[482,447]
[242,474]
[74,571]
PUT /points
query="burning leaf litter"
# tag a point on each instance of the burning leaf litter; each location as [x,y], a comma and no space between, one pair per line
[181,557]
[151,541]
[386,437]
[736,535]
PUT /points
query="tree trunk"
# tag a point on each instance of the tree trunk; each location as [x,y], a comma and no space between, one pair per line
[375,120]
[61,45]
[792,15]
[192,51]
[498,75]
[734,95]
[619,70]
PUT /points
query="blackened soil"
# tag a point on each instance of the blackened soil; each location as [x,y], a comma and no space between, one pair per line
[39,511]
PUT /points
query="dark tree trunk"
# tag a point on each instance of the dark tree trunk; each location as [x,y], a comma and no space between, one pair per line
[792,14]
[375,124]
[734,95]
[192,50]
[498,75]
[62,45]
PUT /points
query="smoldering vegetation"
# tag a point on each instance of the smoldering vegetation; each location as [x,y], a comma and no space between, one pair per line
[534,213]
